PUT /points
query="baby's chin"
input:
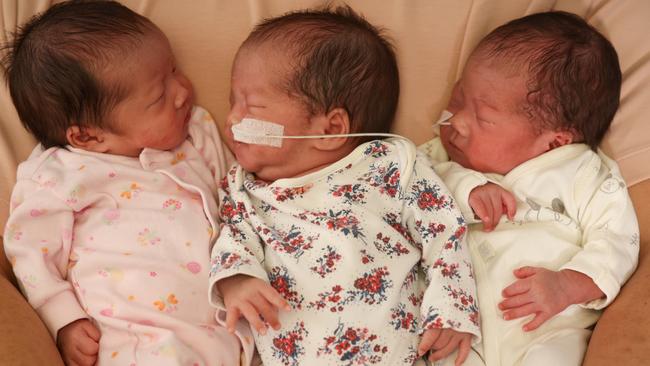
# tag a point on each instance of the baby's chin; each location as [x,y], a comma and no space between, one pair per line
[457,157]
[178,142]
[246,165]
[253,167]
[268,174]
[264,175]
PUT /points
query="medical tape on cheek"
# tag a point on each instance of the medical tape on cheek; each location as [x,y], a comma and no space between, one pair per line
[259,132]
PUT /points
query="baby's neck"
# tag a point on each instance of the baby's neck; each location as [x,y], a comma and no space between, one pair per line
[319,160]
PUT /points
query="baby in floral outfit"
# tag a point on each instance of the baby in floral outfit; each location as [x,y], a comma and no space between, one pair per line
[113,213]
[324,239]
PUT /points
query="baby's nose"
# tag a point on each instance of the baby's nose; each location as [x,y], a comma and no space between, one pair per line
[181,96]
[236,114]
[458,123]
[233,118]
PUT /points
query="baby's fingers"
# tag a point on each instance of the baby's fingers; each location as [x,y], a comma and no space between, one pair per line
[514,302]
[91,330]
[509,203]
[269,312]
[538,320]
[494,209]
[482,211]
[428,338]
[463,350]
[526,271]
[516,288]
[520,312]
[253,317]
[443,352]
[88,347]
[274,297]
[232,315]
[78,358]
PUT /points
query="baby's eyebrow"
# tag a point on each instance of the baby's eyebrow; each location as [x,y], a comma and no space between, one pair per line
[488,103]
[156,91]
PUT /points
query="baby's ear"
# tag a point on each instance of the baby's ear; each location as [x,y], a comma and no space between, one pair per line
[86,138]
[561,138]
[335,122]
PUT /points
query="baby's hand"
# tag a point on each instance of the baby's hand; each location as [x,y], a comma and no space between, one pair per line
[489,202]
[443,342]
[79,343]
[254,299]
[545,293]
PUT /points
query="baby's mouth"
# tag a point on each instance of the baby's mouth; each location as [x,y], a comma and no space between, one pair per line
[453,145]
[449,140]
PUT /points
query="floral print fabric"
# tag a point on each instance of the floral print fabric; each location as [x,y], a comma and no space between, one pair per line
[368,252]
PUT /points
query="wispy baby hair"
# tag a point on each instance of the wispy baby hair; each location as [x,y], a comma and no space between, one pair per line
[340,60]
[56,65]
[574,77]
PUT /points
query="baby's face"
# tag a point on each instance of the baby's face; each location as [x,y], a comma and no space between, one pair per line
[489,132]
[256,92]
[156,112]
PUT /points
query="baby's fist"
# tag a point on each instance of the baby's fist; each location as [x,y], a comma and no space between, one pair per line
[79,343]
[442,342]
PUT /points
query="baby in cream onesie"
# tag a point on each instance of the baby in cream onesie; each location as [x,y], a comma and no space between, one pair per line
[521,136]
[113,214]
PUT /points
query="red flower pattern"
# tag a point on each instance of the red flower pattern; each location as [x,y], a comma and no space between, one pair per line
[324,256]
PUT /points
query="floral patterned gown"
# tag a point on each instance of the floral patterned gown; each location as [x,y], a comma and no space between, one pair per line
[369,252]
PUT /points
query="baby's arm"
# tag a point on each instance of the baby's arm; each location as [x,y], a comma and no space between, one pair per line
[545,293]
[38,241]
[594,275]
[238,282]
[449,309]
[475,195]
[79,343]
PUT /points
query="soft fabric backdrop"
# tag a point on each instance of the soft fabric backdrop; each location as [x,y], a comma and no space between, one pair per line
[433,38]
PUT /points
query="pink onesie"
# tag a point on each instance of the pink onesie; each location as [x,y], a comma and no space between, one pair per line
[126,242]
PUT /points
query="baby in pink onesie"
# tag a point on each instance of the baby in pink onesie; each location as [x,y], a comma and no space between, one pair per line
[113,214]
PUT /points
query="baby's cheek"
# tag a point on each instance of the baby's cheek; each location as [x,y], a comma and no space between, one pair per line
[228,138]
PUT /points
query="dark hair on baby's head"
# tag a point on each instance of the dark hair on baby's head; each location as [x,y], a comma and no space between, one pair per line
[340,60]
[574,78]
[55,63]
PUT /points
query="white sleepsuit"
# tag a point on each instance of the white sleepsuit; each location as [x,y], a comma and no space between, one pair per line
[573,212]
[126,242]
[344,246]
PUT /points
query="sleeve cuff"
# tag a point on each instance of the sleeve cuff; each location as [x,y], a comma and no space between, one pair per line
[606,283]
[214,296]
[60,311]
[463,186]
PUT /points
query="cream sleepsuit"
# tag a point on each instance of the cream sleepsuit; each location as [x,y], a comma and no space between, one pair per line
[126,242]
[344,246]
[573,212]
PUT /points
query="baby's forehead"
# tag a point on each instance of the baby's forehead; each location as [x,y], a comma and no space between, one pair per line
[279,61]
[508,63]
[274,52]
[121,53]
[141,69]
